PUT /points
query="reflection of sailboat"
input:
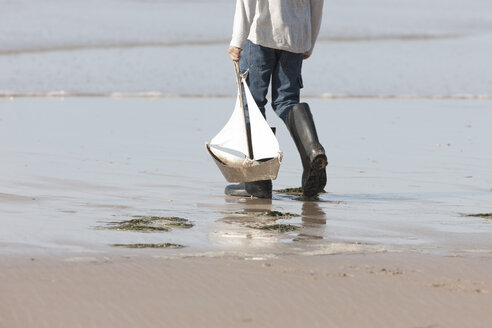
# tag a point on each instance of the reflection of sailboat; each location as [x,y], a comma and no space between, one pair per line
[235,230]
[246,152]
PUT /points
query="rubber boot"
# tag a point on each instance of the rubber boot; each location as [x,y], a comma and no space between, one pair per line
[259,189]
[300,124]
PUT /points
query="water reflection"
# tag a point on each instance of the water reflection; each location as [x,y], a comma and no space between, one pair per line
[250,203]
[312,213]
[313,221]
[251,224]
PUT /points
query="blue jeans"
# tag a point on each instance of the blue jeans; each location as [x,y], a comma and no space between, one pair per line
[283,68]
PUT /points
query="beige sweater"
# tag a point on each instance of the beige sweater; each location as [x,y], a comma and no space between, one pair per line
[291,25]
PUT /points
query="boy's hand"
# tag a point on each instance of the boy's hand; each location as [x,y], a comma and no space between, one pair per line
[235,53]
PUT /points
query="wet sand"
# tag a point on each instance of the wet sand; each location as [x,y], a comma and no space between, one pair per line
[404,181]
[389,245]
[372,290]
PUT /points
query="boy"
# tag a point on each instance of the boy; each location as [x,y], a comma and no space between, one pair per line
[270,40]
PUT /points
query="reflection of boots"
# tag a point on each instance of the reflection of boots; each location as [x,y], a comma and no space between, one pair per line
[259,189]
[299,121]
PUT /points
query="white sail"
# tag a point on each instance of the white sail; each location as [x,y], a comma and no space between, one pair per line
[233,134]
[265,144]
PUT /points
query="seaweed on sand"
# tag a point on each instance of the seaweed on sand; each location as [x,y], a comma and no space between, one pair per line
[314,198]
[160,218]
[276,227]
[269,214]
[266,220]
[278,214]
[298,192]
[150,224]
[162,245]
[290,191]
[481,215]
[294,191]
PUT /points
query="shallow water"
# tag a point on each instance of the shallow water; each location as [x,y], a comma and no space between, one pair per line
[165,48]
[402,174]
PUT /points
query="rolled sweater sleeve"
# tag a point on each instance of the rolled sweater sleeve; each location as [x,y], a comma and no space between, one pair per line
[316,13]
[243,18]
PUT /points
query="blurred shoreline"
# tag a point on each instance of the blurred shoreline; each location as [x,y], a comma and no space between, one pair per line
[419,48]
[159,95]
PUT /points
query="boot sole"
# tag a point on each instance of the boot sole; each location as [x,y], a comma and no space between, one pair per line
[315,181]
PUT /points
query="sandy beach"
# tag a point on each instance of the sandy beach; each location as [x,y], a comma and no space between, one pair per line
[112,213]
[370,290]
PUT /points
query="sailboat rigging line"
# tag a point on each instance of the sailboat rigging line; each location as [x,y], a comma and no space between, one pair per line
[241,101]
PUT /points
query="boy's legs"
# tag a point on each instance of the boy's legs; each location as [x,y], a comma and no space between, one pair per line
[286,82]
[259,61]
[286,85]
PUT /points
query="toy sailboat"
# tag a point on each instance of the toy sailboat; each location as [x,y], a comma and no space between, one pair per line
[246,152]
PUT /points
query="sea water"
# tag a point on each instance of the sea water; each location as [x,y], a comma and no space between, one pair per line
[402,175]
[166,48]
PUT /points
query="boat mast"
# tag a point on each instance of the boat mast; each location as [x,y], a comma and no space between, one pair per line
[247,127]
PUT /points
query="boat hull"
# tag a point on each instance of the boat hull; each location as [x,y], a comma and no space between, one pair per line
[246,170]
